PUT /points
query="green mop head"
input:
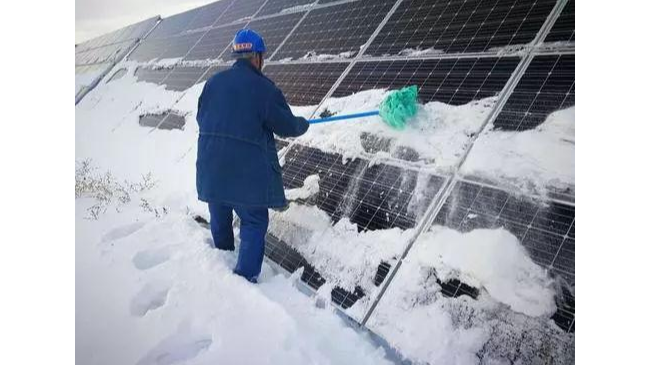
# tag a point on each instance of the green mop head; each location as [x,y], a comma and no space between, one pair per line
[399,106]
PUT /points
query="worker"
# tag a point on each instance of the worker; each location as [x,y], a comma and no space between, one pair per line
[237,165]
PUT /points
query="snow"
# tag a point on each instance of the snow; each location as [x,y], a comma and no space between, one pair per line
[156,292]
[549,46]
[531,161]
[319,57]
[472,258]
[164,63]
[201,63]
[82,80]
[439,133]
[303,111]
[298,8]
[414,52]
[512,50]
[339,252]
[309,188]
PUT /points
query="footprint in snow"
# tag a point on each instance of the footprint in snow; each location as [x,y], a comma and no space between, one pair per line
[150,258]
[150,297]
[122,231]
[179,348]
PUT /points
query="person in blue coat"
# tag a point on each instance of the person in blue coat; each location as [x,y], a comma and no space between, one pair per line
[237,165]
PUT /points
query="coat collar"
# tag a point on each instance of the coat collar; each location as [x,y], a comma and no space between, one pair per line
[242,62]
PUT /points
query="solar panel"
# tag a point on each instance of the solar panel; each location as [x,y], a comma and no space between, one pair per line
[456,288]
[172,25]
[452,81]
[240,10]
[451,26]
[182,78]
[545,229]
[170,121]
[178,78]
[207,15]
[211,71]
[138,30]
[335,29]
[382,193]
[151,75]
[277,6]
[179,46]
[305,84]
[101,54]
[547,86]
[215,42]
[289,259]
[149,49]
[150,120]
[128,33]
[166,41]
[564,29]
[275,29]
[374,197]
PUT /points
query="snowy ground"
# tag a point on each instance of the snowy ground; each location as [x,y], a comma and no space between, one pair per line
[150,289]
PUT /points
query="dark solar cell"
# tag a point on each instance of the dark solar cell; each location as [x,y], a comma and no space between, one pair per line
[149,49]
[240,10]
[305,84]
[564,28]
[274,29]
[289,259]
[180,45]
[215,42]
[207,15]
[281,144]
[182,78]
[211,71]
[277,6]
[172,25]
[151,75]
[163,121]
[102,54]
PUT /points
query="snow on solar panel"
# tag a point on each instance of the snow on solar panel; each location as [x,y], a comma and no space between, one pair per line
[278,6]
[564,28]
[305,84]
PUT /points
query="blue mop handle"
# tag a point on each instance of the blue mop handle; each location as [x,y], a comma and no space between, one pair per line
[346,116]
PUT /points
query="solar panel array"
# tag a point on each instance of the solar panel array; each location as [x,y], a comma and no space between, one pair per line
[460,26]
[305,84]
[96,56]
[453,81]
[336,29]
[374,197]
[456,52]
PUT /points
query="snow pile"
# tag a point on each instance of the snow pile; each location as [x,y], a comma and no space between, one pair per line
[489,259]
[309,188]
[339,252]
[530,160]
[440,330]
[439,133]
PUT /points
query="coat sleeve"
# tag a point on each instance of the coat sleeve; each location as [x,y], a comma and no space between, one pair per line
[279,118]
